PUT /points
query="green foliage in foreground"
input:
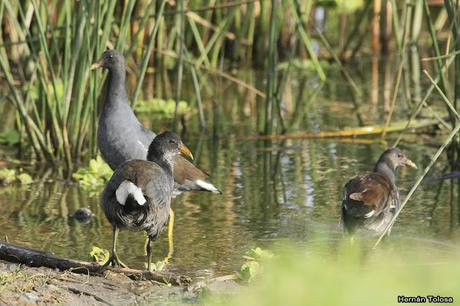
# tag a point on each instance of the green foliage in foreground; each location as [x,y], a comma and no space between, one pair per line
[8,176]
[94,176]
[349,276]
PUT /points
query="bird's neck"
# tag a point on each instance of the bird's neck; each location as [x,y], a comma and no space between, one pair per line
[388,171]
[116,90]
[162,160]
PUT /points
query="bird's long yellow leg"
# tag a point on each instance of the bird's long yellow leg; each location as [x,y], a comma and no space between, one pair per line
[149,254]
[170,237]
[114,260]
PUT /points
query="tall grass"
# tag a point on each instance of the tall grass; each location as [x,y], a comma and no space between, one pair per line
[46,48]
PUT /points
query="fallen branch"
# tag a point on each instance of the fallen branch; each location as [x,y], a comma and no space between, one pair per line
[352,132]
[34,258]
[437,178]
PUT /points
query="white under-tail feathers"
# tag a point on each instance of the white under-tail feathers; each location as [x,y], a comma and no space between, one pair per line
[127,188]
[207,186]
[369,214]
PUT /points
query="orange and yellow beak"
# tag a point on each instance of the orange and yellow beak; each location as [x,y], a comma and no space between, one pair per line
[98,64]
[410,163]
[186,151]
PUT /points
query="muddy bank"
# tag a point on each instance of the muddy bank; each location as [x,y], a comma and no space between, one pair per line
[22,285]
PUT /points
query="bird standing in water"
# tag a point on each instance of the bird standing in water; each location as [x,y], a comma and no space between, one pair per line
[138,195]
[121,137]
[371,199]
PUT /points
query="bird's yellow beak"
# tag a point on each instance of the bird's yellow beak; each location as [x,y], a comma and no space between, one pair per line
[410,163]
[186,151]
[97,64]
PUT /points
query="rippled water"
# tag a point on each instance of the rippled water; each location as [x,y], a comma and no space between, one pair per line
[272,191]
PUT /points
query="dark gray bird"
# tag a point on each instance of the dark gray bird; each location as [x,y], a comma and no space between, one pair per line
[138,195]
[371,199]
[122,137]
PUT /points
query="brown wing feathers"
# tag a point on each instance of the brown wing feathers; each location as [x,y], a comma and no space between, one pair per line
[371,191]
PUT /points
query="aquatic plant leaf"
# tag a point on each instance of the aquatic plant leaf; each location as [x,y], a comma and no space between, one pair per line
[94,176]
[259,254]
[9,137]
[98,255]
[24,179]
[100,168]
[163,107]
[7,175]
[249,270]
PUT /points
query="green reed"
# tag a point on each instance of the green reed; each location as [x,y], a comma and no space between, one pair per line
[47,47]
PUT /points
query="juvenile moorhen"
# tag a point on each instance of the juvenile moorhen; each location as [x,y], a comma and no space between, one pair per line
[121,136]
[138,195]
[371,199]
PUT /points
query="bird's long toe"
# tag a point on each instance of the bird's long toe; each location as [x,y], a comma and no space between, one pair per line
[114,261]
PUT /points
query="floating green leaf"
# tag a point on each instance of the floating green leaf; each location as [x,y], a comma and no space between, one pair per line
[95,175]
[98,255]
[161,106]
[7,175]
[24,179]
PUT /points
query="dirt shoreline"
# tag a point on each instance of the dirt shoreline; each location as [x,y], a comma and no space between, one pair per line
[23,285]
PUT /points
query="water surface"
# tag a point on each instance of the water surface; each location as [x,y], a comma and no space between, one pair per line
[273,191]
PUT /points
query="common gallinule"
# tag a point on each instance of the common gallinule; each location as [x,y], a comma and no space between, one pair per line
[371,199]
[121,136]
[138,195]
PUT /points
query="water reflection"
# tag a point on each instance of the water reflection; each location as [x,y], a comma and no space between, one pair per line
[272,190]
[288,190]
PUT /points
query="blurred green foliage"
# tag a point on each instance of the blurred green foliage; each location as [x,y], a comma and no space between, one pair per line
[9,137]
[343,6]
[303,65]
[349,276]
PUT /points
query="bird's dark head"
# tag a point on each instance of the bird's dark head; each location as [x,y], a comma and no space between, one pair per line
[110,59]
[395,158]
[167,145]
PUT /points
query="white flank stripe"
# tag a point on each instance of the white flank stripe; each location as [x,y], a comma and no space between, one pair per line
[369,214]
[207,186]
[127,188]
